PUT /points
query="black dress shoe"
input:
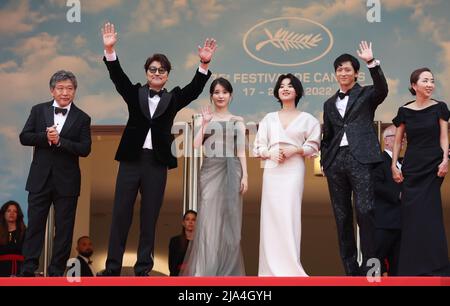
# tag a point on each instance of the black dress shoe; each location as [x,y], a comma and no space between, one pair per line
[108,273]
[142,273]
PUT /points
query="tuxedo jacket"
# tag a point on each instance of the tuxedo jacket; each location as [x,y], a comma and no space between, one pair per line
[62,162]
[387,196]
[357,122]
[85,269]
[140,121]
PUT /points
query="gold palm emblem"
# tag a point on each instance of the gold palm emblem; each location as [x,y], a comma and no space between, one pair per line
[283,39]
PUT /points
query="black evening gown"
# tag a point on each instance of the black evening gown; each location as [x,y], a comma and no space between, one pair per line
[423,247]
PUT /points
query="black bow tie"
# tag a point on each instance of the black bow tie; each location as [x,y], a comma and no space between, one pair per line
[342,94]
[153,93]
[59,110]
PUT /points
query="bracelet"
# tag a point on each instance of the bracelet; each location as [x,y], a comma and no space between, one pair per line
[370,61]
[203,62]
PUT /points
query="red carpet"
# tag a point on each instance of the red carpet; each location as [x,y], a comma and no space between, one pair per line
[225,281]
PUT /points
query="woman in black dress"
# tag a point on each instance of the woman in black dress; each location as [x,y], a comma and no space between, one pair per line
[178,244]
[423,249]
[12,232]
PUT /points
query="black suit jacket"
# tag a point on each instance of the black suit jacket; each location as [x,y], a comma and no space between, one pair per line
[140,121]
[61,162]
[357,122]
[85,269]
[387,192]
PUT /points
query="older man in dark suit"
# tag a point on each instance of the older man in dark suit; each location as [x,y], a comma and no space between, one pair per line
[60,133]
[350,148]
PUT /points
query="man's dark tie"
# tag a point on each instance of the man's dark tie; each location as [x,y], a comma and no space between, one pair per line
[342,94]
[152,92]
[59,110]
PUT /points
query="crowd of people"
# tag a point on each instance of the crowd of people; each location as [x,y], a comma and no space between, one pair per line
[397,202]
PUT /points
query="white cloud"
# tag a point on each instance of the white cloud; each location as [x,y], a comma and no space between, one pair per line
[161,14]
[79,41]
[444,75]
[103,106]
[90,6]
[324,12]
[208,11]
[9,65]
[392,5]
[17,17]
[192,60]
[437,30]
[40,59]
[158,14]
[98,6]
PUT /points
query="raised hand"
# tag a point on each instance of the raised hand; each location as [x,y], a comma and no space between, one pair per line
[109,37]
[206,114]
[207,51]
[365,51]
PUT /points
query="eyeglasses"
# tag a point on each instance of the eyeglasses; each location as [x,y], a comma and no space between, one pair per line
[161,70]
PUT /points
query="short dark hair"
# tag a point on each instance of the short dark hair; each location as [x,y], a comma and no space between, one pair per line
[415,75]
[223,82]
[190,211]
[296,83]
[347,58]
[161,58]
[81,238]
[62,75]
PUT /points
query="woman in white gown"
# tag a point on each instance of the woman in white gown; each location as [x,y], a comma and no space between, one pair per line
[283,140]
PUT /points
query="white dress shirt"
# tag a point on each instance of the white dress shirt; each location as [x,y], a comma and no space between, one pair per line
[152,102]
[60,119]
[341,105]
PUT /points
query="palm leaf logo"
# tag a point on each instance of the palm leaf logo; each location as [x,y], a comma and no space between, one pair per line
[285,40]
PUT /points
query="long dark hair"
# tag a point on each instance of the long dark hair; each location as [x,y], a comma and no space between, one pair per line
[20,225]
[184,241]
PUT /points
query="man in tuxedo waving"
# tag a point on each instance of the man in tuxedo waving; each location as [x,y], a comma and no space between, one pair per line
[144,151]
[60,133]
[350,148]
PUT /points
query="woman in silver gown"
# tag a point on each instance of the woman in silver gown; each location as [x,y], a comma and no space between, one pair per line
[216,249]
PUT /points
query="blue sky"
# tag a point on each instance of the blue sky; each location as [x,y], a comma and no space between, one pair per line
[37,40]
